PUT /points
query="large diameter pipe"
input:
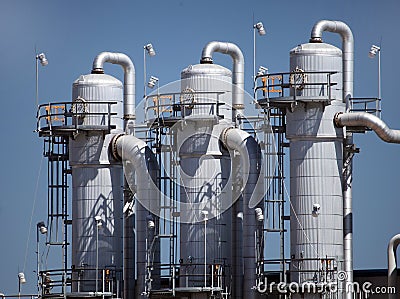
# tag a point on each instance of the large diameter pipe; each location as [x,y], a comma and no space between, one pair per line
[129,78]
[392,265]
[364,119]
[138,159]
[237,69]
[347,48]
[250,161]
[348,70]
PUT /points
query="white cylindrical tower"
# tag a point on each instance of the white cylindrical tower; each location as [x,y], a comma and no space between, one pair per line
[316,163]
[97,180]
[205,171]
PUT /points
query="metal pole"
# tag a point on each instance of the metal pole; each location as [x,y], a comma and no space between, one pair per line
[37,258]
[205,251]
[97,254]
[254,60]
[144,72]
[379,74]
[37,81]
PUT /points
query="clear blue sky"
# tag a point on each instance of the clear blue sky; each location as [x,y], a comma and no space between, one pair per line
[72,32]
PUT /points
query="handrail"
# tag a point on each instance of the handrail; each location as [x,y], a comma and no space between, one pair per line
[287,81]
[67,114]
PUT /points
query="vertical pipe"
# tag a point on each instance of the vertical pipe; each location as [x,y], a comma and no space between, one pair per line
[392,265]
[348,67]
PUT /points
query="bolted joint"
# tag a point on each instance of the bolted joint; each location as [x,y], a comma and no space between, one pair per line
[336,120]
[316,40]
[206,60]
[113,147]
[98,71]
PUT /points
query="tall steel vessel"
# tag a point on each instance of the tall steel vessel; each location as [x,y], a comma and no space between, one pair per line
[205,170]
[96,180]
[316,163]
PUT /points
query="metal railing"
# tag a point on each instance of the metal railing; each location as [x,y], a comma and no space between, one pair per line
[293,84]
[71,115]
[58,283]
[369,105]
[212,277]
[179,104]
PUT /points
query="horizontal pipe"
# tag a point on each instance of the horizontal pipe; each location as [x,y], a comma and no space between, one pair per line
[250,162]
[129,78]
[364,119]
[237,69]
[392,265]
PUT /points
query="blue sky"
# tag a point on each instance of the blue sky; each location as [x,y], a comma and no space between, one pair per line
[72,33]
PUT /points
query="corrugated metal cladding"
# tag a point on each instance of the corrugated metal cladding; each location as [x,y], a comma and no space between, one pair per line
[205,171]
[206,81]
[205,186]
[97,181]
[98,88]
[316,159]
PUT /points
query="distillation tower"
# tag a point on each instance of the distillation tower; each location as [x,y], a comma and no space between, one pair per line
[180,204]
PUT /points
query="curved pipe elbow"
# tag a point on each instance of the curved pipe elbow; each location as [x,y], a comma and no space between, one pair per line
[332,26]
[129,77]
[392,266]
[237,69]
[364,119]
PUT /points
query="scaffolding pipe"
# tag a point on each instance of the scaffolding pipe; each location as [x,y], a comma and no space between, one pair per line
[250,162]
[138,158]
[364,119]
[392,265]
[129,78]
[237,69]
[348,70]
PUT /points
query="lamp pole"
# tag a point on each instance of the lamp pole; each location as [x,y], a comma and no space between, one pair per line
[261,31]
[98,225]
[43,61]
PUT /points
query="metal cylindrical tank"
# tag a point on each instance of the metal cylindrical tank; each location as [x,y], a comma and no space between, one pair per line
[95,96]
[97,182]
[205,192]
[205,85]
[316,161]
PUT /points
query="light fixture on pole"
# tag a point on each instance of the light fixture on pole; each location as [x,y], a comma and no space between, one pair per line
[372,53]
[262,71]
[43,61]
[40,227]
[261,31]
[152,82]
[21,280]
[98,225]
[151,52]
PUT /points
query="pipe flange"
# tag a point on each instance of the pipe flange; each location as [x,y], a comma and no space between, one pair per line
[206,60]
[113,147]
[98,71]
[224,135]
[238,106]
[316,40]
[336,120]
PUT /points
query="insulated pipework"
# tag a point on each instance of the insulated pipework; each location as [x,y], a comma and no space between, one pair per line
[364,119]
[392,265]
[348,69]
[250,160]
[138,159]
[237,69]
[129,78]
